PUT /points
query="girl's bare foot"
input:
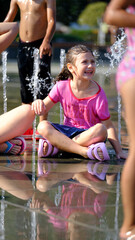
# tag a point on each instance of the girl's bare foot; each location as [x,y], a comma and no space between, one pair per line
[45,148]
[129,235]
[99,152]
[15,149]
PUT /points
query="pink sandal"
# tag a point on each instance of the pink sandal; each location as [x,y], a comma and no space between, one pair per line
[51,149]
[10,145]
[94,148]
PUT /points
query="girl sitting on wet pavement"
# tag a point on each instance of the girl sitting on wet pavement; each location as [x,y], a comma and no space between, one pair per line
[87,122]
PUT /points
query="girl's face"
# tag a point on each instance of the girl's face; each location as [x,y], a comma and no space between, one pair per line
[84,66]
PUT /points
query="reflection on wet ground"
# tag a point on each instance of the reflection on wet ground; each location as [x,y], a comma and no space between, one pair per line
[59,198]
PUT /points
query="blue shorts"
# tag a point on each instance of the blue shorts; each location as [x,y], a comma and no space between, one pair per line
[70,132]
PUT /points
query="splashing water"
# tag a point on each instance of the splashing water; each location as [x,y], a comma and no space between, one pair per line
[2,220]
[62,60]
[58,196]
[117,50]
[4,79]
[36,83]
[115,54]
[119,117]
[33,225]
[34,86]
[35,73]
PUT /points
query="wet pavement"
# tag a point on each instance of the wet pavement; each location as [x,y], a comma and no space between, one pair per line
[62,198]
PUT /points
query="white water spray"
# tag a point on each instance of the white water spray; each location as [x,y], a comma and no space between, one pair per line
[35,89]
[34,82]
[117,50]
[4,79]
[62,61]
[58,196]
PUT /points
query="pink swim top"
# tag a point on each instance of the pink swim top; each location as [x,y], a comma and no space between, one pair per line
[126,69]
[81,113]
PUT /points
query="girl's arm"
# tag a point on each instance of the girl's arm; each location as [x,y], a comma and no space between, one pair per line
[113,139]
[42,107]
[48,103]
[117,15]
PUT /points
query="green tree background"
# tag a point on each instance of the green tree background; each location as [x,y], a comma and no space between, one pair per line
[92,13]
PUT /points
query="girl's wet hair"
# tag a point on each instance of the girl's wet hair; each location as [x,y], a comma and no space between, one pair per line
[71,55]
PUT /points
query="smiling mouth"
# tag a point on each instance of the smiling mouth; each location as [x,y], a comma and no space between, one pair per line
[89,72]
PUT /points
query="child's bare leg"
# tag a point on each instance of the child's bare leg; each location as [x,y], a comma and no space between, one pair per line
[128,196]
[59,140]
[43,117]
[97,133]
[15,122]
[8,32]
[64,143]
[128,174]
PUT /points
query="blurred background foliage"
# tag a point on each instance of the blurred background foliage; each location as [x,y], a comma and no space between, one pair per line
[79,18]
[83,18]
[92,13]
[67,11]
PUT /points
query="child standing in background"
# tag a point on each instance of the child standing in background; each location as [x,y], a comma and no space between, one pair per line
[121,13]
[87,121]
[37,27]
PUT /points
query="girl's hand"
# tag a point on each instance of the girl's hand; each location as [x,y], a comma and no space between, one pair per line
[39,107]
[122,155]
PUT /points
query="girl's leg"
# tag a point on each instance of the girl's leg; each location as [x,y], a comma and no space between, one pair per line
[16,148]
[97,133]
[8,32]
[128,173]
[15,122]
[64,143]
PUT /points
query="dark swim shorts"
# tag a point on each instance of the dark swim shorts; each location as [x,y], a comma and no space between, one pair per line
[25,66]
[70,132]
